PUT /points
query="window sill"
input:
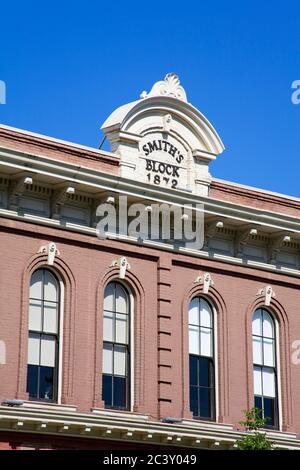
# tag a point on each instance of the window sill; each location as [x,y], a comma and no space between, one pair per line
[120,414]
[49,406]
[198,423]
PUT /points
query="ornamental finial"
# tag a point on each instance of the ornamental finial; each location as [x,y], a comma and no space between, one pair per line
[170,86]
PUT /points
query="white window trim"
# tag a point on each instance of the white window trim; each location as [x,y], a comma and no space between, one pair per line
[131,349]
[130,339]
[215,350]
[216,362]
[278,373]
[277,364]
[60,339]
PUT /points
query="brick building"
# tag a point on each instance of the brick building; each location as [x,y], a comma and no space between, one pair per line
[118,341]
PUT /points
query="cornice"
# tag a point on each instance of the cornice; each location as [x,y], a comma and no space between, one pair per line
[134,428]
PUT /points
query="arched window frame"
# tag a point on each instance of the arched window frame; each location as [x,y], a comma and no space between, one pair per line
[276,367]
[215,386]
[130,347]
[59,349]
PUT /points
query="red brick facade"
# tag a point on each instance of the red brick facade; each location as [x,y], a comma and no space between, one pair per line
[162,284]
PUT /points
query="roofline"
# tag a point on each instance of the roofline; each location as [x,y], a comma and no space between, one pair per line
[254,189]
[57,141]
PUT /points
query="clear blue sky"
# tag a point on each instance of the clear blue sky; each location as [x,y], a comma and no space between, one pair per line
[68,65]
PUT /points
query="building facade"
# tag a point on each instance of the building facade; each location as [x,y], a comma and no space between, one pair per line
[113,339]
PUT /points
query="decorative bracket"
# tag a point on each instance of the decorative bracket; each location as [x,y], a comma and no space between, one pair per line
[268,293]
[210,231]
[206,280]
[122,264]
[276,244]
[51,251]
[242,239]
[59,198]
[17,189]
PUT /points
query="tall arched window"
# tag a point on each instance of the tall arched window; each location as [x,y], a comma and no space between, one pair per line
[116,347]
[264,363]
[43,340]
[201,354]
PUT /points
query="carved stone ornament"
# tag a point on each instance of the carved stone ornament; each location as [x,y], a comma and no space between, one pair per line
[51,251]
[170,86]
[122,264]
[206,280]
[268,293]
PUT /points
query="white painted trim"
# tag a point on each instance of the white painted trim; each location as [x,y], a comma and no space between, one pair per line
[106,181]
[61,340]
[132,350]
[278,370]
[102,152]
[216,361]
[157,245]
[61,331]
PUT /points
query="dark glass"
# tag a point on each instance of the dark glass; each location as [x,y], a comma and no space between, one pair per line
[107,390]
[119,392]
[269,411]
[201,387]
[205,408]
[32,381]
[258,402]
[193,370]
[194,400]
[204,371]
[46,383]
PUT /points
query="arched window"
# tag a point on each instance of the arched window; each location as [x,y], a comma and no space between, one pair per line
[43,340]
[116,347]
[201,354]
[264,363]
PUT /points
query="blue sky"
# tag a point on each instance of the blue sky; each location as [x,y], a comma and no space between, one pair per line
[68,65]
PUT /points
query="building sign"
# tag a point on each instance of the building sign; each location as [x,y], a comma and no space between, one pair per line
[164,141]
[164,161]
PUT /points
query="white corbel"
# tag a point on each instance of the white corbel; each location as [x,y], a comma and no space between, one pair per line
[123,265]
[268,293]
[51,251]
[211,229]
[59,199]
[17,189]
[276,244]
[242,238]
[206,280]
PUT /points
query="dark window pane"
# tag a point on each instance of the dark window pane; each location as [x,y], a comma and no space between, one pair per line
[194,401]
[46,383]
[107,389]
[32,381]
[269,405]
[204,376]
[194,370]
[205,408]
[119,392]
[258,402]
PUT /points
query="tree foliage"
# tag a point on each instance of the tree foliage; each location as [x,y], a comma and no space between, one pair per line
[256,439]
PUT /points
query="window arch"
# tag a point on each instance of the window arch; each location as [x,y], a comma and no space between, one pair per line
[116,347]
[264,366]
[201,359]
[43,336]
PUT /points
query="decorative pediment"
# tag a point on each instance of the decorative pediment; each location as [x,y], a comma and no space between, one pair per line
[163,140]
